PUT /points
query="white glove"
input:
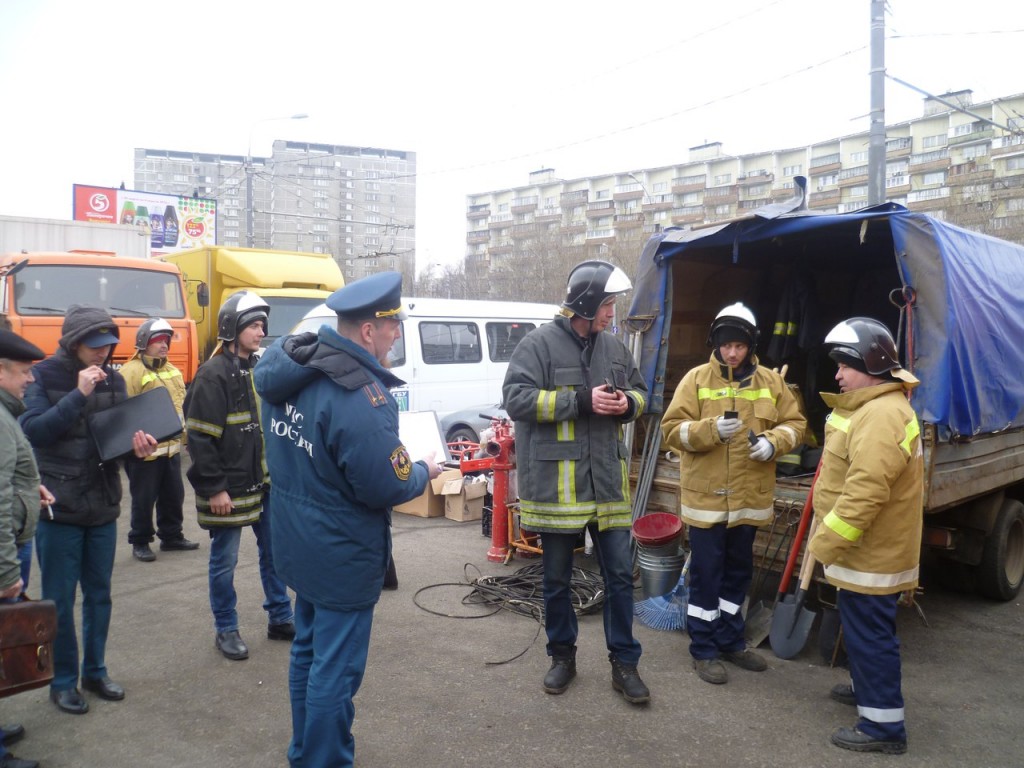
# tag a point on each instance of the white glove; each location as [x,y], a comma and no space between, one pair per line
[762,450]
[727,428]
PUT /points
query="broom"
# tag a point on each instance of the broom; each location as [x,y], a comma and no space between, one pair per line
[667,612]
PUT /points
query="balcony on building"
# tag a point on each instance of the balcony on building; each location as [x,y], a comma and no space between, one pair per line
[600,235]
[503,246]
[896,185]
[1007,145]
[524,204]
[756,176]
[478,211]
[632,191]
[928,199]
[825,164]
[1007,187]
[658,203]
[970,172]
[600,208]
[689,214]
[937,160]
[682,184]
[499,221]
[826,197]
[898,147]
[568,199]
[477,237]
[753,204]
[526,229]
[852,177]
[720,195]
[628,220]
[970,133]
[576,226]
[548,213]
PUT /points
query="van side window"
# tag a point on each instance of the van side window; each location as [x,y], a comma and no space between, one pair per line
[503,338]
[450,342]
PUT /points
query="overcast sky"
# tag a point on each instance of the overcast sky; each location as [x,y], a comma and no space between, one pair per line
[483,92]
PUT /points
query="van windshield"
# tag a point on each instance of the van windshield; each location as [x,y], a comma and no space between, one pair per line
[285,312]
[49,289]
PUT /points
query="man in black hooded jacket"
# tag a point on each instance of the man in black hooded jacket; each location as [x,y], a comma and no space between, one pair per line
[76,537]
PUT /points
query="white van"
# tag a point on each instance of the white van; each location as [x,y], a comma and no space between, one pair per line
[453,353]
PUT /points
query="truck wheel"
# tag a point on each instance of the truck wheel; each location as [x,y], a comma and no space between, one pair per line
[1001,571]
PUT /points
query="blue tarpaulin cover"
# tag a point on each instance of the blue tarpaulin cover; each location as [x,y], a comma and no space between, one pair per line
[968,319]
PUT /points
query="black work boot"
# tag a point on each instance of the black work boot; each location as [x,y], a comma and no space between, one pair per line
[626,680]
[563,670]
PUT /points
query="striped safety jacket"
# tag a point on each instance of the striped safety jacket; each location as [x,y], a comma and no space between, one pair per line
[143,373]
[719,482]
[225,440]
[870,494]
[572,467]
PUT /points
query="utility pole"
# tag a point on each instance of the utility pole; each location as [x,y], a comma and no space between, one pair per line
[876,137]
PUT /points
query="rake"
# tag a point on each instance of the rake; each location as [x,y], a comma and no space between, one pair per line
[667,612]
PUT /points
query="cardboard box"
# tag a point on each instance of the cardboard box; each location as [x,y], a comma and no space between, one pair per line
[430,503]
[464,499]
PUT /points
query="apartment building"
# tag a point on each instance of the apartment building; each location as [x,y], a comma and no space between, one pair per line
[356,203]
[963,165]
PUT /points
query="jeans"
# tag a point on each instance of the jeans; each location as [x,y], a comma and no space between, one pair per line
[157,482]
[223,559]
[613,555]
[328,660]
[69,556]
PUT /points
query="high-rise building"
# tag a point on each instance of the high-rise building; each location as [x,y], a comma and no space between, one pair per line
[356,203]
[963,165]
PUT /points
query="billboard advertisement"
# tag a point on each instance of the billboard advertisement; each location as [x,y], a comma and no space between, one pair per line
[174,222]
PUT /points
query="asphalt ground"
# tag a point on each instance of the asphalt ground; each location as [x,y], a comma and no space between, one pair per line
[432,697]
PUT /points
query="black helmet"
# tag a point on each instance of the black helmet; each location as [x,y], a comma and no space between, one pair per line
[864,343]
[590,284]
[153,327]
[241,309]
[733,323]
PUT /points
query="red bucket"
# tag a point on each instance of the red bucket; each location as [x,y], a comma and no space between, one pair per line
[656,529]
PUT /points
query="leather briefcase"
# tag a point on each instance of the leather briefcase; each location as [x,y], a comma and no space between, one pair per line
[27,629]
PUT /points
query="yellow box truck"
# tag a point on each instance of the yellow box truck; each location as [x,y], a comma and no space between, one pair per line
[291,282]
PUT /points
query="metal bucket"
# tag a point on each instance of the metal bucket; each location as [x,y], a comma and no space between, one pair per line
[669,548]
[659,574]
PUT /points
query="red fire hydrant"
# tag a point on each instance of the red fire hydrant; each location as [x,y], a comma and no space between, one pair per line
[502,449]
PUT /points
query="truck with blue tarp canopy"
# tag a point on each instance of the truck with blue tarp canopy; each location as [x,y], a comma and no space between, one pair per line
[954,300]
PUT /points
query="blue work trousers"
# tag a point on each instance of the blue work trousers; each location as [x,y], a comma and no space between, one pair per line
[869,632]
[614,556]
[327,665]
[721,568]
[223,559]
[69,556]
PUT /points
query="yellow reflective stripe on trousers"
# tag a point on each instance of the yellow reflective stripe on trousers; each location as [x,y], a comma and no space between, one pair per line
[913,430]
[836,524]
[875,580]
[721,393]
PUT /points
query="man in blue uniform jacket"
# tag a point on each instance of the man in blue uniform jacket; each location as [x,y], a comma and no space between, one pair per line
[338,466]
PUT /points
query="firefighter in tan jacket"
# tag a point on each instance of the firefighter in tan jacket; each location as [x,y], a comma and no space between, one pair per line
[868,504]
[157,479]
[728,420]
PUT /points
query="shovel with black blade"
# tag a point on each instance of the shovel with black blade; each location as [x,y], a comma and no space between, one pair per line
[791,623]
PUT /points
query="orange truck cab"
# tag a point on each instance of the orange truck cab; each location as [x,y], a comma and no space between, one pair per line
[36,288]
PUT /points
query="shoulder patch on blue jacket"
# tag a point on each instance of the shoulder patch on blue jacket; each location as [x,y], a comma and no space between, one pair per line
[401,463]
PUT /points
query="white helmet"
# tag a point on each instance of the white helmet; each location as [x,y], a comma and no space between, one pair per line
[735,316]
